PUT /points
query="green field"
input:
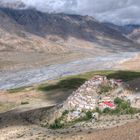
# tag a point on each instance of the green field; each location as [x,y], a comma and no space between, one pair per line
[73,82]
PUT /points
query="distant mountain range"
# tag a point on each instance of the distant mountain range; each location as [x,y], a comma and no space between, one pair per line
[30,38]
[131,31]
[135,34]
[29,29]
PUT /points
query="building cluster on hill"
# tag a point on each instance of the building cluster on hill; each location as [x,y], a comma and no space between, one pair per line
[99,92]
[96,92]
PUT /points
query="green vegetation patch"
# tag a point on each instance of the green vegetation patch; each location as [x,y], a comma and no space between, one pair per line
[87,117]
[58,123]
[16,90]
[105,89]
[123,107]
[124,75]
[24,102]
[74,82]
[68,83]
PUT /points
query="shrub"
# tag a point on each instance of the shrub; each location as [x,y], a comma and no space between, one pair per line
[118,101]
[106,110]
[57,124]
[88,115]
[65,112]
[123,107]
[24,103]
[116,111]
[105,89]
[98,110]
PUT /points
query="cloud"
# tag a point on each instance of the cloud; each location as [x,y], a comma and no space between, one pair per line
[116,11]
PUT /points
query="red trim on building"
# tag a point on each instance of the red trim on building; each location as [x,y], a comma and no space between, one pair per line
[110,104]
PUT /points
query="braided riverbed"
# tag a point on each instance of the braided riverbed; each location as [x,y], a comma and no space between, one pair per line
[9,80]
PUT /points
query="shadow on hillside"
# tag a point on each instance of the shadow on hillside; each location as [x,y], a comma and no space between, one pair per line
[60,91]
[21,117]
[75,82]
[124,75]
[66,84]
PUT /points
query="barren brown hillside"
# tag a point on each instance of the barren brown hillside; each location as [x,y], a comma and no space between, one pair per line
[44,39]
[130,131]
[133,64]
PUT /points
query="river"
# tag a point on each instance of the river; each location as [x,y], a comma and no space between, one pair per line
[36,76]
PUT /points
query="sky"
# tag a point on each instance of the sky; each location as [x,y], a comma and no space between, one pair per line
[117,11]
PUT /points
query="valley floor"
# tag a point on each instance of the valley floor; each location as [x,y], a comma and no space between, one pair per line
[133,64]
[29,77]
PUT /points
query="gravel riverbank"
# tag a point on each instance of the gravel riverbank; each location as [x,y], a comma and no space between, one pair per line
[35,76]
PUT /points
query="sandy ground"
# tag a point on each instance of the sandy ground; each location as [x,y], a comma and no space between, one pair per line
[32,98]
[15,61]
[133,64]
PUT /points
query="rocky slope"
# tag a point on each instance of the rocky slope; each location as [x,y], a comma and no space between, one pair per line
[28,25]
[135,35]
[130,31]
[26,33]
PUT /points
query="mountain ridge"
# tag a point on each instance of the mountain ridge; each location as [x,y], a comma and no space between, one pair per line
[55,38]
[63,25]
[131,31]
